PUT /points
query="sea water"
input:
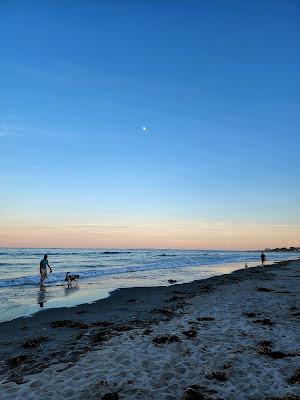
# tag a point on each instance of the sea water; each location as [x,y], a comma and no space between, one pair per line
[104,270]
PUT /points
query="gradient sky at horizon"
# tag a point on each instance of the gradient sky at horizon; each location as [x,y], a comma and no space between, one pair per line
[216,84]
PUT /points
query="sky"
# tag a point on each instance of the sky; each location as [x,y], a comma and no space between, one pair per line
[158,123]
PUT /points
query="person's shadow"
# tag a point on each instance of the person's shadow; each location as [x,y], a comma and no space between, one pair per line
[41,296]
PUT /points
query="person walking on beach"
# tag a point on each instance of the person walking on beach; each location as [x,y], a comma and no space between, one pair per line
[263,258]
[43,268]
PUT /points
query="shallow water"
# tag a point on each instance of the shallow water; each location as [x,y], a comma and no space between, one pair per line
[103,270]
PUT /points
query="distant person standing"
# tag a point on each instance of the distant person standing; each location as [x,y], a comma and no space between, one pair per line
[263,258]
[43,268]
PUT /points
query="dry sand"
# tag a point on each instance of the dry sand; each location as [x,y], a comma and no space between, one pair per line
[230,337]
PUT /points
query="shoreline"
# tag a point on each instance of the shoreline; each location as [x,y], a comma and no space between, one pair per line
[118,293]
[54,296]
[126,312]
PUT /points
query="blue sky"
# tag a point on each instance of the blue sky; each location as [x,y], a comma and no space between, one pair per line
[215,83]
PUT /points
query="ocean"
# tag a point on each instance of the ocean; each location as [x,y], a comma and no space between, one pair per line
[104,270]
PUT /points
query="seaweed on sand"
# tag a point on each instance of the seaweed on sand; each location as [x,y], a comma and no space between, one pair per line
[265,348]
[99,337]
[191,333]
[147,331]
[17,361]
[33,342]
[264,321]
[218,375]
[122,328]
[249,314]
[164,311]
[205,319]
[166,339]
[68,324]
[295,378]
[197,392]
[285,397]
[103,324]
[110,396]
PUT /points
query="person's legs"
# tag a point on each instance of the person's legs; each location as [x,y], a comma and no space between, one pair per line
[43,276]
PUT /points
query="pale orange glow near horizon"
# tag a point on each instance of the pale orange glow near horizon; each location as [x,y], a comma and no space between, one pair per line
[156,234]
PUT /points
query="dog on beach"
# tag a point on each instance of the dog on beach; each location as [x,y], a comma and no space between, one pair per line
[71,278]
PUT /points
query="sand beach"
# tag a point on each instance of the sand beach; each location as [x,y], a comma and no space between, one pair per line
[233,336]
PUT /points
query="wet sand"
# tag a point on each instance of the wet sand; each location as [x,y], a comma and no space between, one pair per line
[233,336]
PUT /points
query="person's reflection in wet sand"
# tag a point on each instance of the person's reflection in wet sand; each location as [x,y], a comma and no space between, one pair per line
[71,290]
[41,297]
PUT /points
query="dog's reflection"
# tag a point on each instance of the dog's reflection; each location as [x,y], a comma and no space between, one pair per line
[71,290]
[41,296]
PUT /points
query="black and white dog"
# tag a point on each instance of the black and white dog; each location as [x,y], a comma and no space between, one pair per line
[71,278]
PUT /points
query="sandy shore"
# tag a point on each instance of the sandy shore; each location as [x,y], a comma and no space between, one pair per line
[234,336]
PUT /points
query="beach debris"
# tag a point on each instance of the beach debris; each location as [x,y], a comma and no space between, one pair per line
[175,298]
[207,288]
[283,292]
[164,311]
[166,339]
[237,280]
[17,361]
[139,321]
[103,324]
[110,396]
[172,281]
[66,323]
[132,301]
[65,367]
[205,319]
[194,394]
[20,380]
[190,296]
[182,304]
[147,331]
[227,365]
[79,336]
[263,289]
[122,328]
[297,314]
[33,342]
[81,312]
[102,383]
[197,392]
[264,321]
[191,333]
[218,375]
[288,396]
[249,314]
[24,328]
[265,343]
[99,337]
[295,378]
[265,348]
